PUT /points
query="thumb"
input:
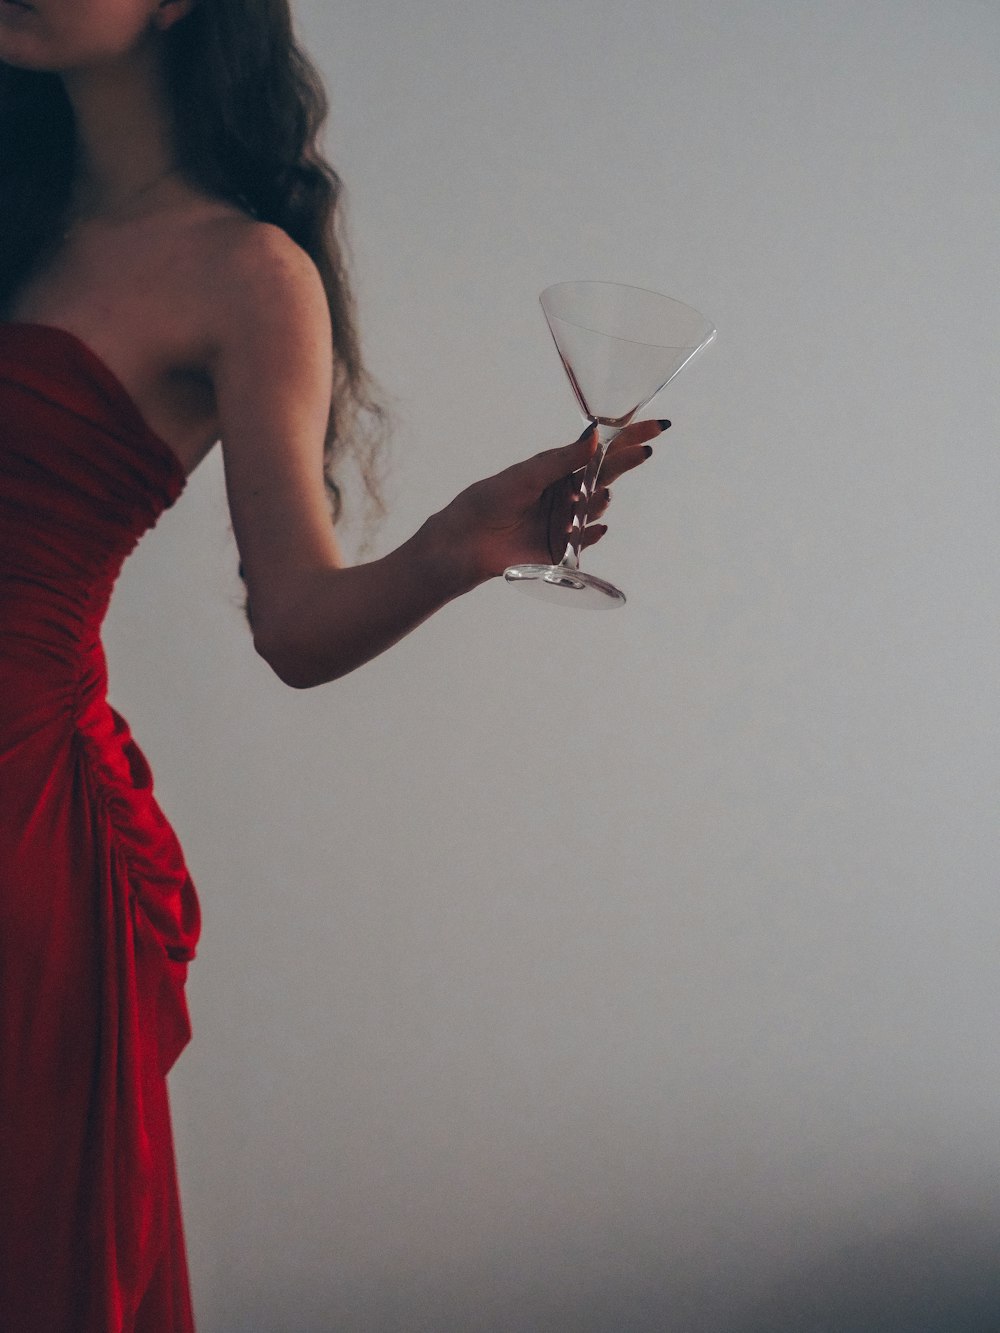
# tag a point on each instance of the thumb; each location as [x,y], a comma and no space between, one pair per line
[554,464]
[587,442]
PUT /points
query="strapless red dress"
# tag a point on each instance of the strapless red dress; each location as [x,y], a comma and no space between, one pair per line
[98,915]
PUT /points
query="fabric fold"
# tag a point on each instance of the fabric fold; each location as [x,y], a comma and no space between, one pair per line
[99,917]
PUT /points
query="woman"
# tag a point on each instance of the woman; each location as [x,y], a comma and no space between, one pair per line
[169,278]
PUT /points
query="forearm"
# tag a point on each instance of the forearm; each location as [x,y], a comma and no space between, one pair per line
[313,627]
[336,619]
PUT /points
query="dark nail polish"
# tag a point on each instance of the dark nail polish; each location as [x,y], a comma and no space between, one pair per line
[663,425]
[648,450]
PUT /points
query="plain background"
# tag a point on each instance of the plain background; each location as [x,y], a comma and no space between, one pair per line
[569,971]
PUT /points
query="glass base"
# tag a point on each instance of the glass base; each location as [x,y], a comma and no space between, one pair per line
[570,587]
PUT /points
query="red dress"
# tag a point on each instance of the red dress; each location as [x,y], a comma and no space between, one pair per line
[98,915]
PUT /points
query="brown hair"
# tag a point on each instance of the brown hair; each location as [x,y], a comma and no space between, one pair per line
[248,108]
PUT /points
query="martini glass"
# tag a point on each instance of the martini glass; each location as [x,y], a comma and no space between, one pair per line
[619,346]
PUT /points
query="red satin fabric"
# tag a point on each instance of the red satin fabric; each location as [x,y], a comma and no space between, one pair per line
[98,915]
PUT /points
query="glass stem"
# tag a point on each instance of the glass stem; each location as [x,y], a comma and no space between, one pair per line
[587,485]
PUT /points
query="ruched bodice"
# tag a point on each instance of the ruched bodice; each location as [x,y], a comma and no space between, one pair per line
[81,479]
[98,914]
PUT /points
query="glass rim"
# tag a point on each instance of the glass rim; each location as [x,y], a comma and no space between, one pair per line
[710,333]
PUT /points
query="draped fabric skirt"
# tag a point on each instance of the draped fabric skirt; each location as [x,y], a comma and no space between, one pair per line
[97,921]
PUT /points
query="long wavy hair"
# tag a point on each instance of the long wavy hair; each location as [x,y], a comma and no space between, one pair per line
[248,109]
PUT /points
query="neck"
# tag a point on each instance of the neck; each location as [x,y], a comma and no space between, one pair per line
[124,138]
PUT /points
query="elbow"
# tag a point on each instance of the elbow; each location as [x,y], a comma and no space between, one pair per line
[292,667]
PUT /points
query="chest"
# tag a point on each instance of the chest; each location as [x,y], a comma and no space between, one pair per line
[137,303]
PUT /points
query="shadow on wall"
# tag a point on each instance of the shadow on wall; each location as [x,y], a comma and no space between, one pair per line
[939,1275]
[932,1275]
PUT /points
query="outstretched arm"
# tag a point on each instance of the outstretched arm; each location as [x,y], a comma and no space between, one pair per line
[313,618]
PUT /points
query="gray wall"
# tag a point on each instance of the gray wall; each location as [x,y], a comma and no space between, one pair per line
[638,972]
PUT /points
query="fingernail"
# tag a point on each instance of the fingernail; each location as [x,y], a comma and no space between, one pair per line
[590,427]
[663,425]
[648,450]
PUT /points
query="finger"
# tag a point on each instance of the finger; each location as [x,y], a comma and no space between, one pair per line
[599,501]
[639,432]
[553,464]
[593,533]
[615,465]
[630,448]
[560,499]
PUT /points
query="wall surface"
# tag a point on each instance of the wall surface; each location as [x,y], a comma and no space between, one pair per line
[629,973]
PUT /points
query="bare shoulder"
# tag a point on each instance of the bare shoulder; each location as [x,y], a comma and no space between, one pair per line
[263,294]
[268,351]
[271,367]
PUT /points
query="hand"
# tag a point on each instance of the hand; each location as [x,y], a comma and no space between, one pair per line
[523,515]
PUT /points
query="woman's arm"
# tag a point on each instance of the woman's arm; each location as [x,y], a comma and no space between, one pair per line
[313,618]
